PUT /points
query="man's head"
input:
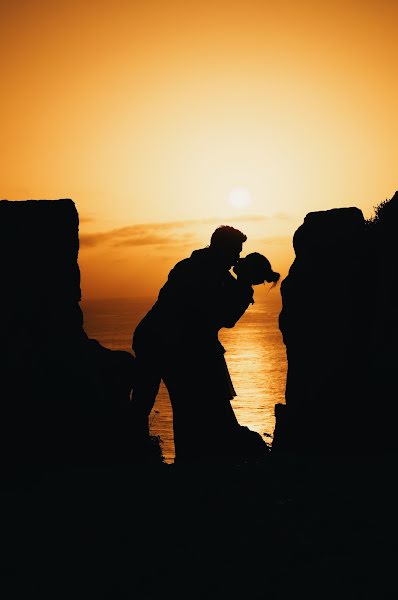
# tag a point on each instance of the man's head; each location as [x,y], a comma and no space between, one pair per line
[226,243]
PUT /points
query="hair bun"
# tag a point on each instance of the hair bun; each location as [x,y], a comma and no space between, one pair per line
[275,277]
[256,268]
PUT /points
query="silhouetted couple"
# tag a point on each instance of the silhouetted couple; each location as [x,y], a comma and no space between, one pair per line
[177,341]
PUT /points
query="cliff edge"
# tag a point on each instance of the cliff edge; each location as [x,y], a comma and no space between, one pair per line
[339,323]
[64,397]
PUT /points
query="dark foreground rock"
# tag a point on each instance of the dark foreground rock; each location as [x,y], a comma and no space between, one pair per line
[294,527]
[64,397]
[92,522]
[339,323]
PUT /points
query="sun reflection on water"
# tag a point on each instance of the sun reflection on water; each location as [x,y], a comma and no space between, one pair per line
[256,359]
[255,355]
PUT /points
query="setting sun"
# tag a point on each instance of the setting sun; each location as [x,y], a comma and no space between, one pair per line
[239,197]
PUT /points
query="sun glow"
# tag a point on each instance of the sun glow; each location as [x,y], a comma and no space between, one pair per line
[164,120]
[239,197]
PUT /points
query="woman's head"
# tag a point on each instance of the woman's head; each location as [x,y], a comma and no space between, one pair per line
[256,269]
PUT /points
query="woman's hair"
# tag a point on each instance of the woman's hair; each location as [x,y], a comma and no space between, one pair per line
[256,268]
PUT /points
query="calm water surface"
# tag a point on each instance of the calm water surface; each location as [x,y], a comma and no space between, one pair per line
[255,355]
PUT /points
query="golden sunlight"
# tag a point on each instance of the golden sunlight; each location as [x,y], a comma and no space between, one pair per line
[239,197]
[163,120]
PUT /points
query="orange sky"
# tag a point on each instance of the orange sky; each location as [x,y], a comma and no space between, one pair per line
[149,114]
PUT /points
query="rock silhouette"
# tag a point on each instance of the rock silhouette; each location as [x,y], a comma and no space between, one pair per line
[64,397]
[306,527]
[339,325]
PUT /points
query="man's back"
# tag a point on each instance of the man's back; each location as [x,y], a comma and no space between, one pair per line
[189,308]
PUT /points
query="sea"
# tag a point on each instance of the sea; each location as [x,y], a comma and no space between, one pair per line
[255,356]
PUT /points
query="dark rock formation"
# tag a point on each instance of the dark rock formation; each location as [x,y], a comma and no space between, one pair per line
[339,325]
[64,397]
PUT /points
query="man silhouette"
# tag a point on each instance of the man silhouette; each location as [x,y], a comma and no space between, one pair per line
[177,341]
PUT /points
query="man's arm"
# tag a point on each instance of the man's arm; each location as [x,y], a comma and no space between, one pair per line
[238,297]
[212,296]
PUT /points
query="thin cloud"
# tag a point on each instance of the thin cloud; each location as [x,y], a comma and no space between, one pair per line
[276,241]
[236,219]
[159,234]
[153,240]
[139,235]
[281,216]
[86,219]
[90,240]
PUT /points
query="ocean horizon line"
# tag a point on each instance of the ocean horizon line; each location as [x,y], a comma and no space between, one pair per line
[260,295]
